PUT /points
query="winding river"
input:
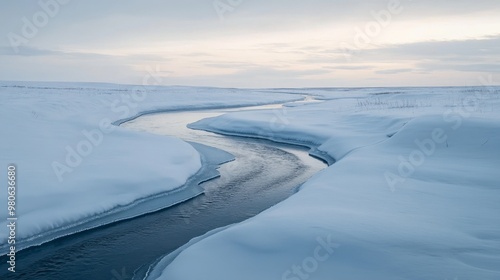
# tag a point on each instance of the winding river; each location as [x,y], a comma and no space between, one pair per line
[263,174]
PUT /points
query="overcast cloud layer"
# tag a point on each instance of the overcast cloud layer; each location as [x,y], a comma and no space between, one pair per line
[280,43]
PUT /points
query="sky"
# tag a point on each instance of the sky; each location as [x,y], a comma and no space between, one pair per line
[253,43]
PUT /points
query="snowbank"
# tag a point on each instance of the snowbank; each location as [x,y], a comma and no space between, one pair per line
[75,167]
[414,194]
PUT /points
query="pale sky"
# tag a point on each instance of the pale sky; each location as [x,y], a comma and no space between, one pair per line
[252,43]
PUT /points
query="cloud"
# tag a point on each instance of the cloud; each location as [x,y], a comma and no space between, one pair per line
[269,72]
[230,65]
[352,67]
[280,42]
[486,47]
[254,77]
[474,55]
[28,51]
[476,67]
[394,71]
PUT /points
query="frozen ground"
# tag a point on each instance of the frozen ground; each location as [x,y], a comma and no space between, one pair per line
[74,167]
[414,194]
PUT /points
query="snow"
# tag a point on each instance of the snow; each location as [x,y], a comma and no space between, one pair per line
[414,194]
[75,168]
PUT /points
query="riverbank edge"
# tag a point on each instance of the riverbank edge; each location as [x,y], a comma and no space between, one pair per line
[155,269]
[314,150]
[211,159]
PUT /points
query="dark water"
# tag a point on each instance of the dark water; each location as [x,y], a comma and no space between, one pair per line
[262,175]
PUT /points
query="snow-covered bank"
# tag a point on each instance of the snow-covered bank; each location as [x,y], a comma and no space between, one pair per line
[415,193]
[74,166]
[313,148]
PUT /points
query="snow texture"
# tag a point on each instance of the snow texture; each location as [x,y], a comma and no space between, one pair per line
[414,194]
[74,167]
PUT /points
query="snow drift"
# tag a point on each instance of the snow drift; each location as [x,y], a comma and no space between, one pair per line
[414,194]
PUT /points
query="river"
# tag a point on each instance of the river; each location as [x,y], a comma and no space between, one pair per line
[263,174]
